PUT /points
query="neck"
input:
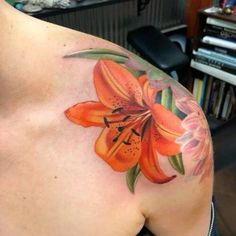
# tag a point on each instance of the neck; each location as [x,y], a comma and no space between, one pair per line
[32,68]
[21,40]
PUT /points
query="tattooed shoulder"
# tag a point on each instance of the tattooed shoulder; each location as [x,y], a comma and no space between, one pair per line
[143,114]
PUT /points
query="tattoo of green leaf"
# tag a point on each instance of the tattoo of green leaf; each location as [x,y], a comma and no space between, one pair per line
[166,98]
[100,54]
[131,177]
[176,162]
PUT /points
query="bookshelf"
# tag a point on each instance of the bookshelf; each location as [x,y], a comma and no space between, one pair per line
[214,66]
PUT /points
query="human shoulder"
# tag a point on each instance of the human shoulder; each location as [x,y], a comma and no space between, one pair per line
[145,116]
[153,131]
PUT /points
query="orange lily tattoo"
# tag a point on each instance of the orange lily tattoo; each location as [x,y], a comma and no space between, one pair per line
[135,128]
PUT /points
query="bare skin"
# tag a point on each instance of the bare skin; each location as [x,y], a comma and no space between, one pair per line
[51,180]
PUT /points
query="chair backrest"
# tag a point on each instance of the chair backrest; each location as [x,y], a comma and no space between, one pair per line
[157,48]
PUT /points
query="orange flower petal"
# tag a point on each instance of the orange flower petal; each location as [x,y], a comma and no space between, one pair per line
[116,86]
[163,145]
[149,160]
[166,122]
[149,93]
[91,114]
[118,155]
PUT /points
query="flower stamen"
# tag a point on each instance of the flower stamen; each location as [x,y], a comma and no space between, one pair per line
[117,110]
[135,132]
[120,128]
[106,122]
[116,138]
[126,118]
[126,142]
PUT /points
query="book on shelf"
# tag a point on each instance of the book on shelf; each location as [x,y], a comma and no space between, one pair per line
[232,106]
[203,90]
[219,42]
[225,105]
[221,23]
[228,113]
[218,49]
[214,62]
[196,87]
[208,93]
[220,32]
[214,97]
[226,58]
[221,58]
[230,78]
[219,100]
[229,107]
[199,88]
[220,29]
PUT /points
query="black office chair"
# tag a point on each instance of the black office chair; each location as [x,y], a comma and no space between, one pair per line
[157,48]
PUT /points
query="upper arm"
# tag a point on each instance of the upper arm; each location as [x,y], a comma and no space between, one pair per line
[181,206]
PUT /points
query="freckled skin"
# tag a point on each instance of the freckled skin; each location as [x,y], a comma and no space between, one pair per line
[51,180]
